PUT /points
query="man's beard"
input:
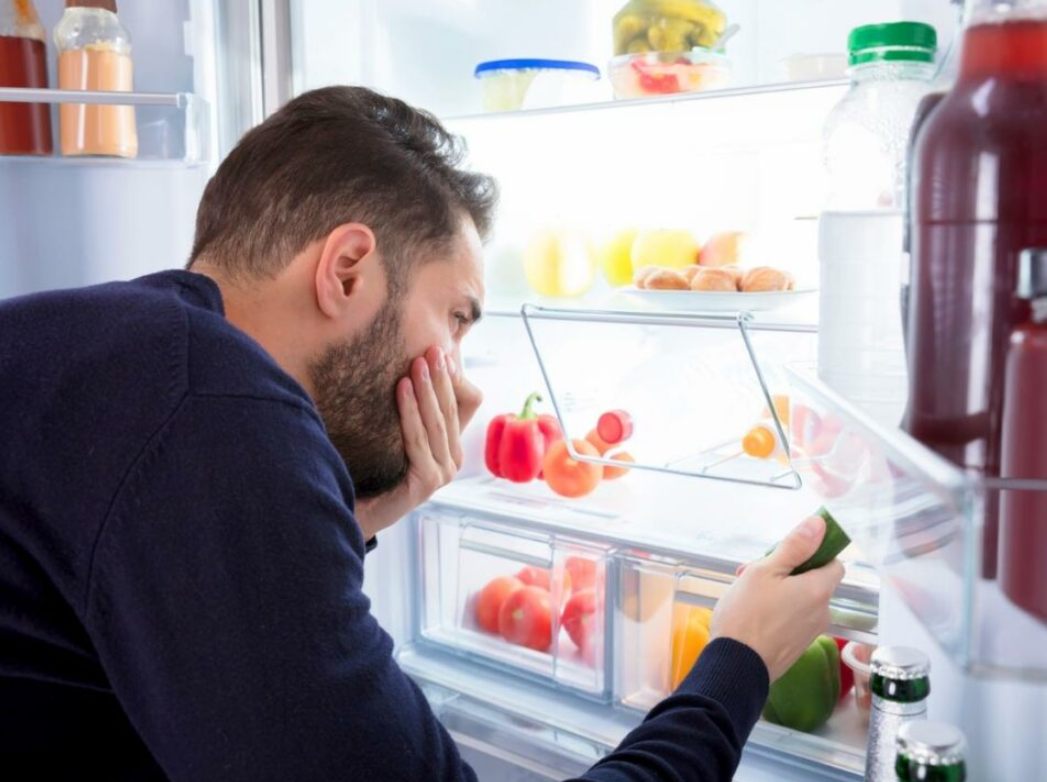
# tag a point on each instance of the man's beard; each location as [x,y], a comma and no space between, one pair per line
[355,386]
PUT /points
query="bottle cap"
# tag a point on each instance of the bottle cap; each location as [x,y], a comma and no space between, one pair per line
[906,41]
[931,743]
[900,663]
[105,5]
[1032,273]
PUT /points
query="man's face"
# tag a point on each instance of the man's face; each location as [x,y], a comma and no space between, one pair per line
[355,381]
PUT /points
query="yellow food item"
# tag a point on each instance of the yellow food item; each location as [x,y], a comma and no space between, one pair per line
[667,25]
[559,262]
[672,249]
[690,636]
[616,257]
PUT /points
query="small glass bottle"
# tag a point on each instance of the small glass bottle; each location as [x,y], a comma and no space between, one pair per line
[94,53]
[25,128]
[930,752]
[900,683]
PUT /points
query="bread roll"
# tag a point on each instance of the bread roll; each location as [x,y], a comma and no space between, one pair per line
[764,278]
[690,272]
[714,279]
[640,276]
[665,280]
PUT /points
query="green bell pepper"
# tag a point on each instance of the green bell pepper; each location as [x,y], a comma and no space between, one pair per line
[805,696]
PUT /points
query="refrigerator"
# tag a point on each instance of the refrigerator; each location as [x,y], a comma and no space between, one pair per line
[665,538]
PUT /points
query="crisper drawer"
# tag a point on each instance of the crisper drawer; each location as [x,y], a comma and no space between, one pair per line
[660,624]
[525,601]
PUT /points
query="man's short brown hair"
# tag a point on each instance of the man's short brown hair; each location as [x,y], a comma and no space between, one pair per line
[332,156]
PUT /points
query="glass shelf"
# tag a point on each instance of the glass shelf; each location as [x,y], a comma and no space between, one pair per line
[662,100]
[919,520]
[713,389]
[172,127]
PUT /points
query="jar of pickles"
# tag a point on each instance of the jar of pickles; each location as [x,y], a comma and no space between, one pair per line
[667,46]
[643,26]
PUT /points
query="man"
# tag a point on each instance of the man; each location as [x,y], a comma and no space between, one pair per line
[194,464]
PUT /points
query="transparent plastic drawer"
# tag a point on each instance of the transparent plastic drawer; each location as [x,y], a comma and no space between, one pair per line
[549,623]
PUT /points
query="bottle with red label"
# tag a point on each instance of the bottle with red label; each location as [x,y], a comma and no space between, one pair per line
[25,128]
[1023,512]
[979,197]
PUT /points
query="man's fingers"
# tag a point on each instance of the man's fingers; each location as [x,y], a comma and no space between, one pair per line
[445,396]
[416,441]
[432,418]
[798,546]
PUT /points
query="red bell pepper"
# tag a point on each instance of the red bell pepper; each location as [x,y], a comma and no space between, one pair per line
[846,674]
[516,445]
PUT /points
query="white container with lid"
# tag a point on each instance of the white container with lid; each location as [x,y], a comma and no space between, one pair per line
[532,83]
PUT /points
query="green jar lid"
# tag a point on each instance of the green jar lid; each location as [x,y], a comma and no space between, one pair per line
[905,41]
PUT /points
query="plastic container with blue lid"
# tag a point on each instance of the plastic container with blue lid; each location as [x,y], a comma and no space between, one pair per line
[531,83]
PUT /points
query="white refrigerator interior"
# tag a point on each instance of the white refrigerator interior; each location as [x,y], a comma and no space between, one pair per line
[665,539]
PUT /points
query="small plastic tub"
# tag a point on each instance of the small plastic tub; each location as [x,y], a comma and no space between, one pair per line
[815,67]
[665,73]
[856,656]
[532,84]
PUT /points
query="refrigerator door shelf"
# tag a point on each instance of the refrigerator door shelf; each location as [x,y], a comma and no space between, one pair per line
[171,126]
[920,521]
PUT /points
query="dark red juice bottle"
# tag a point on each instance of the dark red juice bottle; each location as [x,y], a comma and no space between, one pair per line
[1023,512]
[25,128]
[979,198]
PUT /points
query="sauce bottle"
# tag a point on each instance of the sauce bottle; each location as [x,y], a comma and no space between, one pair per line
[979,197]
[1023,513]
[25,128]
[94,53]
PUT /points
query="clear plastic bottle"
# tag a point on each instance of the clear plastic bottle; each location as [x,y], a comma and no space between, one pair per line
[861,352]
[94,53]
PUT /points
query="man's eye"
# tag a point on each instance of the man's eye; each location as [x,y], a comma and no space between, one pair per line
[462,319]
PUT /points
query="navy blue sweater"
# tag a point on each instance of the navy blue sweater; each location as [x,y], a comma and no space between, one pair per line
[180,569]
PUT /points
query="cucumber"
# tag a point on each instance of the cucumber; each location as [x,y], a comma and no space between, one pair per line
[833,543]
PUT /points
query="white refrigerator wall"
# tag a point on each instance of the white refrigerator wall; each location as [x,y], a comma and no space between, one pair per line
[72,222]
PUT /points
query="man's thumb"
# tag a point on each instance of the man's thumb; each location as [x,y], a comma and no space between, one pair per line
[798,546]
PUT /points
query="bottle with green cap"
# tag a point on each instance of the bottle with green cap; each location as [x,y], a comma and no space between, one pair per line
[861,230]
[930,752]
[900,684]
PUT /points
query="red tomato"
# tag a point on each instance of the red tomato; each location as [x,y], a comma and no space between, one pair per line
[526,618]
[565,475]
[579,618]
[540,577]
[489,601]
[582,572]
[846,674]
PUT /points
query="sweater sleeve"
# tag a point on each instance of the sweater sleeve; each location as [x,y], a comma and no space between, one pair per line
[697,733]
[225,603]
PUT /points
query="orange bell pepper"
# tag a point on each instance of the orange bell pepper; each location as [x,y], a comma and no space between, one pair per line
[690,636]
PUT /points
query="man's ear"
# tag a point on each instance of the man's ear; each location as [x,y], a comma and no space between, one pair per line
[347,267]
